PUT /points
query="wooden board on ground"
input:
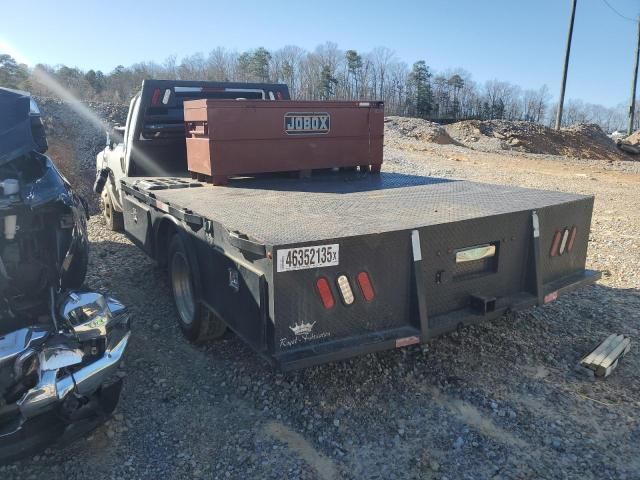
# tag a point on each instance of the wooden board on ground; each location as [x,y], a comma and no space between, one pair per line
[604,358]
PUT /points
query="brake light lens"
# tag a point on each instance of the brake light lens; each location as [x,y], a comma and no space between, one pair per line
[364,282]
[555,244]
[345,290]
[572,238]
[324,290]
[156,96]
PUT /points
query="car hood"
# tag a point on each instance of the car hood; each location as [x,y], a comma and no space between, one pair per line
[15,125]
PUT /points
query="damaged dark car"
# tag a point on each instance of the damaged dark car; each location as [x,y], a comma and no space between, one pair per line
[60,345]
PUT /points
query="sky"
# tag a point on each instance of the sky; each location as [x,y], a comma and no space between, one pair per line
[513,40]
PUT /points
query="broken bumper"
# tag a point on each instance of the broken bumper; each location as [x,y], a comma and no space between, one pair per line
[68,399]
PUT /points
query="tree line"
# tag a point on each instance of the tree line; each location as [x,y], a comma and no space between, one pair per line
[326,73]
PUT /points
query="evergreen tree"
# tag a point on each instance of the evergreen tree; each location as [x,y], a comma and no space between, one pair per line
[12,75]
[420,80]
[354,66]
[244,66]
[327,82]
[260,64]
[96,80]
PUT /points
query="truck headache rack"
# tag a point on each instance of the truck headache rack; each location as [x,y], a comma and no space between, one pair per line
[345,263]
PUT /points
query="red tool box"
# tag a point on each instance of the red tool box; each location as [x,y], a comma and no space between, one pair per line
[227,138]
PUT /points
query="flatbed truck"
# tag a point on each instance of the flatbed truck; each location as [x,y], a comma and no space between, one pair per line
[343,263]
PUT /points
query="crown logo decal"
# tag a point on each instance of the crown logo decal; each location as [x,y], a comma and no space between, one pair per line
[302,328]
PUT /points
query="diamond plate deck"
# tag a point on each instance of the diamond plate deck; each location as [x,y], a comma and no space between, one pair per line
[279,211]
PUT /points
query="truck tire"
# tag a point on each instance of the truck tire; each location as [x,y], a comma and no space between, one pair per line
[112,218]
[197,322]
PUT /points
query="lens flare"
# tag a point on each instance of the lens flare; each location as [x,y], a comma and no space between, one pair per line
[75,103]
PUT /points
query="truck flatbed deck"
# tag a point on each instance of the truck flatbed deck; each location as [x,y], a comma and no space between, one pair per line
[344,263]
[278,211]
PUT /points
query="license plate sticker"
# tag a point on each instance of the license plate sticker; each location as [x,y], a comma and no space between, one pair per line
[302,258]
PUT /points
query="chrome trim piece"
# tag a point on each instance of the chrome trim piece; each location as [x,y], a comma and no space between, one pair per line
[14,343]
[84,382]
[40,397]
[55,358]
[91,314]
[88,379]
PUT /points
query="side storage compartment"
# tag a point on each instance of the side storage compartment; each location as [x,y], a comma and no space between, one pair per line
[235,291]
[137,221]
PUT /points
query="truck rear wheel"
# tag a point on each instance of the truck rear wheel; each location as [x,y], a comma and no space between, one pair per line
[197,322]
[113,218]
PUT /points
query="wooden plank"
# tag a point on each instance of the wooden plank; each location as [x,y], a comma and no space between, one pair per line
[606,357]
[610,347]
[589,359]
[617,352]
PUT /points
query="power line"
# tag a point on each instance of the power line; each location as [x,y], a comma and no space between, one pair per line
[617,12]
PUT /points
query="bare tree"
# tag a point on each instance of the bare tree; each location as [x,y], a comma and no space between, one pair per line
[329,72]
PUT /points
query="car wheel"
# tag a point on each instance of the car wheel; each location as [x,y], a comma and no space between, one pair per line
[197,322]
[113,219]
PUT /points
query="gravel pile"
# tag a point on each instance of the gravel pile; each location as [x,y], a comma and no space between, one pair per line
[412,133]
[75,141]
[578,141]
[501,400]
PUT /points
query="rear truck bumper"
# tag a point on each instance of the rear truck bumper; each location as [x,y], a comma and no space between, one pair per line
[402,337]
[425,282]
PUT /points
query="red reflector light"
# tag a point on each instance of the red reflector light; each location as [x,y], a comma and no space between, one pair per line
[156,96]
[572,238]
[324,290]
[364,282]
[555,244]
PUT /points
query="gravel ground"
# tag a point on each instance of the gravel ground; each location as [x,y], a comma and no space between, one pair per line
[503,400]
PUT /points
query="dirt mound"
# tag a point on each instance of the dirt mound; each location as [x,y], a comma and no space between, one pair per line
[74,141]
[580,141]
[397,130]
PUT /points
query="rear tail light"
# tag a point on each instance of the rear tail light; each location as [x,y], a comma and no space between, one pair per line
[572,238]
[563,242]
[364,282]
[555,244]
[345,290]
[156,97]
[324,290]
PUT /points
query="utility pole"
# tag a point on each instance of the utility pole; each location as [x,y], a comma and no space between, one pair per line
[632,107]
[566,65]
